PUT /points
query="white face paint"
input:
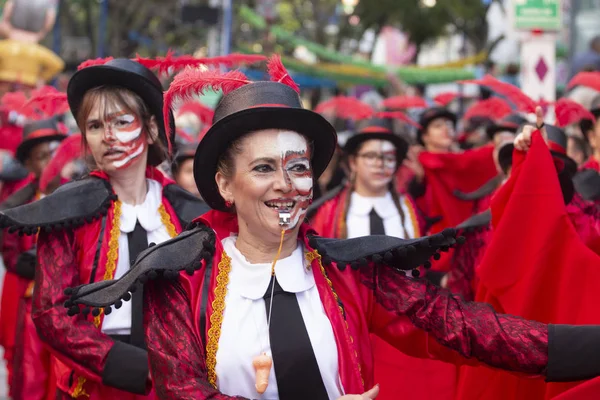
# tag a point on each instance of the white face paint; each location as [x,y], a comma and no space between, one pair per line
[126,128]
[295,161]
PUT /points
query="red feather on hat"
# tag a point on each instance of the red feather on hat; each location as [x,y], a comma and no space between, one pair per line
[511,92]
[493,108]
[397,115]
[278,73]
[171,63]
[568,112]
[193,81]
[405,102]
[203,113]
[445,98]
[69,150]
[47,101]
[96,61]
[346,108]
[587,79]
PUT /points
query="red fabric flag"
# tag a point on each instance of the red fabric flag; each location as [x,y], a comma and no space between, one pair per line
[536,266]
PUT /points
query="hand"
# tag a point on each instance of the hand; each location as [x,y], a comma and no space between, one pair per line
[523,139]
[412,161]
[369,395]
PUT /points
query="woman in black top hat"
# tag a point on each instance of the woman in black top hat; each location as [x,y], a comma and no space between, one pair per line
[267,309]
[92,229]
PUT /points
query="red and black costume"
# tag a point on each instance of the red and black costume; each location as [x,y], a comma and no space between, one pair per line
[359,281]
[28,365]
[78,242]
[545,250]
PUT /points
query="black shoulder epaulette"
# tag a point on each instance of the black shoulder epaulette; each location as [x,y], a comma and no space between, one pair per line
[70,206]
[187,206]
[484,190]
[587,184]
[476,222]
[20,197]
[401,254]
[183,252]
[314,207]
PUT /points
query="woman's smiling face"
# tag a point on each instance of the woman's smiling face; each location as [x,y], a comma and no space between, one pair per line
[271,174]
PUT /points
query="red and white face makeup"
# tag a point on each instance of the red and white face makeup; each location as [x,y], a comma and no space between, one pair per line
[295,166]
[116,140]
[272,174]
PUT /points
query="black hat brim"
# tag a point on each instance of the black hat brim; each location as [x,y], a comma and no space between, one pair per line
[492,130]
[442,113]
[107,75]
[25,147]
[505,159]
[228,129]
[354,142]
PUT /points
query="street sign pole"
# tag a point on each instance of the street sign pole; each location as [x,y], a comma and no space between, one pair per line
[537,21]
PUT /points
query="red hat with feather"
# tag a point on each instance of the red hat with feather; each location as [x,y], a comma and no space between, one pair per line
[246,107]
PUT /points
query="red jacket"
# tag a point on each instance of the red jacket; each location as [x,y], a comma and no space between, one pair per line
[67,259]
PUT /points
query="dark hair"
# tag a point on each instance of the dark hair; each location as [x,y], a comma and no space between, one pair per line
[131,102]
[581,145]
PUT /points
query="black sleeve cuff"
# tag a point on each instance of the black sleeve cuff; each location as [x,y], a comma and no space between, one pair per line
[573,352]
[126,368]
[25,265]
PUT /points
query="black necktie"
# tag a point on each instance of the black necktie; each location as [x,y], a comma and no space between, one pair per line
[138,241]
[296,369]
[376,223]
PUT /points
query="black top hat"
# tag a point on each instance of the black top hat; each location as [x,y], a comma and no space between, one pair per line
[37,132]
[130,75]
[429,115]
[256,106]
[377,128]
[510,123]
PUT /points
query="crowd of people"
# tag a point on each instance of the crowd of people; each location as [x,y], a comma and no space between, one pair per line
[157,248]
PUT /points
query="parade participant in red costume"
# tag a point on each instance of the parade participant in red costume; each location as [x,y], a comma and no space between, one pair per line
[543,254]
[35,151]
[499,133]
[444,171]
[370,205]
[269,309]
[93,228]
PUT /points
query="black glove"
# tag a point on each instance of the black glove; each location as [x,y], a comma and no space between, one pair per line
[26,263]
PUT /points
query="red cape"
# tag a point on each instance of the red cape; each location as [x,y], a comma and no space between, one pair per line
[446,172]
[536,266]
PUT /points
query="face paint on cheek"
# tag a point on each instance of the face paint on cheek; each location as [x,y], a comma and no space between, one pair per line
[131,153]
[388,148]
[126,128]
[295,161]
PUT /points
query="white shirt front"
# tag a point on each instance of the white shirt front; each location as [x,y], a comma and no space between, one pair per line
[244,330]
[118,322]
[358,222]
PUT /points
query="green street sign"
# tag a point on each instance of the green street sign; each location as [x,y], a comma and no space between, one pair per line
[537,14]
